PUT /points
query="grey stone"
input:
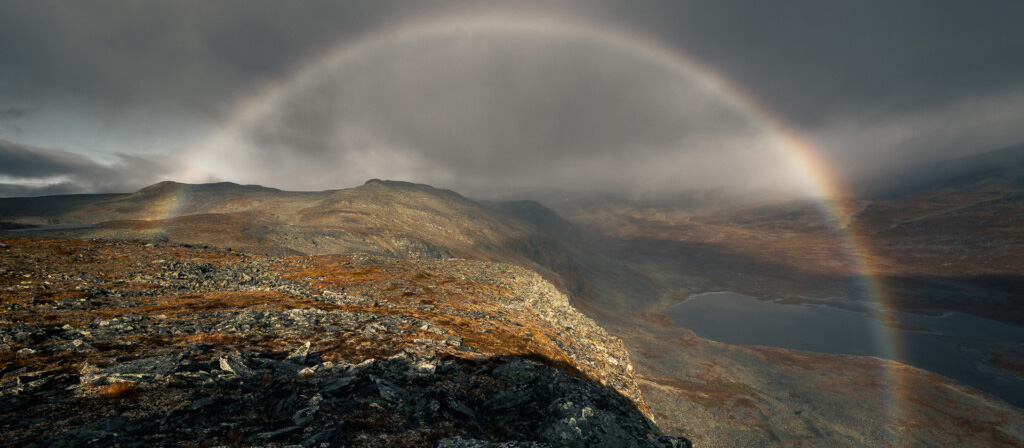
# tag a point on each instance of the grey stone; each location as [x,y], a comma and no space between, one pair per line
[299,355]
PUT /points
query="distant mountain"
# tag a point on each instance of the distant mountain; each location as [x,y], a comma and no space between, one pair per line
[1001,168]
[387,218]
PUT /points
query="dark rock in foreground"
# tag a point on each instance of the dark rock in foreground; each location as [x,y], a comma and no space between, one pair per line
[245,399]
[130,344]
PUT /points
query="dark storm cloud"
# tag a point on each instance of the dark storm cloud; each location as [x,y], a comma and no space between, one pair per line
[27,162]
[195,54]
[38,171]
[810,58]
[8,190]
[876,84]
[872,83]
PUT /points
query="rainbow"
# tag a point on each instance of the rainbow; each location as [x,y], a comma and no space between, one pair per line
[172,200]
[803,156]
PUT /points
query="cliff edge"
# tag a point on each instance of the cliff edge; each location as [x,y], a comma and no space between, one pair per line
[120,343]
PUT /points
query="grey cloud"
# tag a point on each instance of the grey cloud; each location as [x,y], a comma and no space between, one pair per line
[192,54]
[867,147]
[188,55]
[528,112]
[511,108]
[810,59]
[29,162]
[9,190]
[14,113]
[38,171]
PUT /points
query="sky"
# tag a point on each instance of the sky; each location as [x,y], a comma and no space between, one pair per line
[491,98]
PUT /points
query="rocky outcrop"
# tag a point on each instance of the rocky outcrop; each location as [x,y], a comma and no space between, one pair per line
[591,349]
[133,344]
[242,398]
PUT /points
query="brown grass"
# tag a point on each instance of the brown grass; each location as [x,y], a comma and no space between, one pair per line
[224,300]
[331,271]
[969,428]
[1011,365]
[712,393]
[118,391]
[200,338]
[656,319]
[400,287]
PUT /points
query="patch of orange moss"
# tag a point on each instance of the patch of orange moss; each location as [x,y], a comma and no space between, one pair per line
[118,391]
[227,300]
[398,288]
[331,271]
[207,338]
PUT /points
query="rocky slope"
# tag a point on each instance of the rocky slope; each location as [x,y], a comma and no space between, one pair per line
[399,219]
[142,344]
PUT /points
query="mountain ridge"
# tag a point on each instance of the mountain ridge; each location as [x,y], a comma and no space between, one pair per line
[400,219]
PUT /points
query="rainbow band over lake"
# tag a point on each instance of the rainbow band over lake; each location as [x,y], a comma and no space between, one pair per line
[804,157]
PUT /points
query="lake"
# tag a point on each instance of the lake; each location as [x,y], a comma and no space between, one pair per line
[951,344]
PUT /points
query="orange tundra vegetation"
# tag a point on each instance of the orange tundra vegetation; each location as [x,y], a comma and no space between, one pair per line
[118,391]
[119,280]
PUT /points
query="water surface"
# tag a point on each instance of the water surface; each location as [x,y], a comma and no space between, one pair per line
[951,344]
[43,228]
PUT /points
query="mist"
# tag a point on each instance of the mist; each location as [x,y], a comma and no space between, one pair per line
[497,107]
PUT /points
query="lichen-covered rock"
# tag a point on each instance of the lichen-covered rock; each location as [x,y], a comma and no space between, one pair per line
[247,399]
[130,344]
[592,350]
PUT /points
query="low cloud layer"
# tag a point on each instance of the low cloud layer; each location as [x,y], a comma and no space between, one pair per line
[31,171]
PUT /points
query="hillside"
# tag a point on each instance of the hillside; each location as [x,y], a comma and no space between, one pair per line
[125,344]
[387,218]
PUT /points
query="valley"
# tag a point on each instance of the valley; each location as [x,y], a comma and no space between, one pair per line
[795,256]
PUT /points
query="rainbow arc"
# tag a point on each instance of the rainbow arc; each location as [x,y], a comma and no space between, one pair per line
[804,158]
